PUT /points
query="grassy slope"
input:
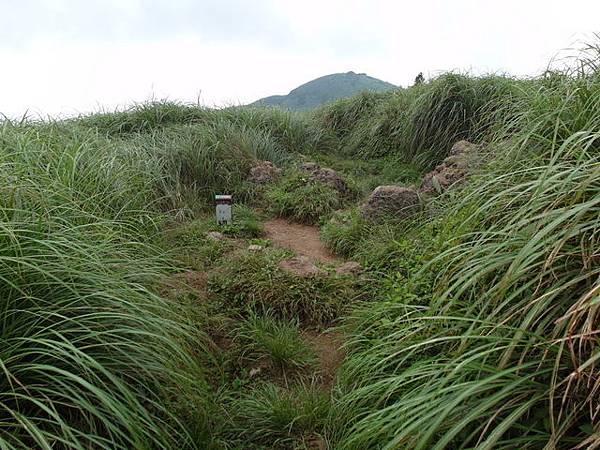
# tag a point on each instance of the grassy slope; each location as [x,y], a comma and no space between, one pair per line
[91,355]
[483,337]
[481,332]
[419,124]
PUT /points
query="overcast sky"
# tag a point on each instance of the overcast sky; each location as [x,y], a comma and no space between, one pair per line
[62,57]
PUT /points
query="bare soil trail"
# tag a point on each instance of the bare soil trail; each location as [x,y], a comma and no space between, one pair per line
[302,239]
[326,344]
[327,347]
[305,240]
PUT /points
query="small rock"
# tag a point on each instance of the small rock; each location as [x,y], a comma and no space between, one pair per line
[463,146]
[215,236]
[453,169]
[326,176]
[309,167]
[302,267]
[398,201]
[264,172]
[317,443]
[255,248]
[351,268]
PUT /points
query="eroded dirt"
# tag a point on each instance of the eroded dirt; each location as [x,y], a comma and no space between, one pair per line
[305,241]
[302,239]
[329,355]
[188,281]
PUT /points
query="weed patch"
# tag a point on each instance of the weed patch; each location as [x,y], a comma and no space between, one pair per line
[255,281]
[279,343]
[277,417]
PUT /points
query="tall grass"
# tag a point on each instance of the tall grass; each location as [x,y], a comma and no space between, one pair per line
[294,132]
[198,162]
[90,356]
[422,122]
[484,333]
[199,152]
[500,351]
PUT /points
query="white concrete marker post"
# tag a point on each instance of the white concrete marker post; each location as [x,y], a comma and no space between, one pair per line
[223,203]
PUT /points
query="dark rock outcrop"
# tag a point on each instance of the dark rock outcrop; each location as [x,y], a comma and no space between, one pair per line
[397,201]
[326,176]
[264,172]
[463,157]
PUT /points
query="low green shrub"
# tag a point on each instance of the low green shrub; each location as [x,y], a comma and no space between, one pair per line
[302,200]
[190,246]
[344,232]
[245,223]
[255,281]
[386,245]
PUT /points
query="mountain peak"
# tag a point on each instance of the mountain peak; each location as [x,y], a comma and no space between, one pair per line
[325,89]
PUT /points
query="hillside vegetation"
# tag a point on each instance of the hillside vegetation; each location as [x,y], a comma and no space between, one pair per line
[325,89]
[125,325]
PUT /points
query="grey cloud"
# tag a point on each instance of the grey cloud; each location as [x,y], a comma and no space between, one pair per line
[98,20]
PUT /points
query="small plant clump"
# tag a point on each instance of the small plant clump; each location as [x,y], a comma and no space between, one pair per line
[245,223]
[302,200]
[344,232]
[255,281]
[276,417]
[263,337]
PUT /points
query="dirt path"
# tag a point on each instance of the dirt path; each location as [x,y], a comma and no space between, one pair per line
[305,241]
[302,239]
[329,355]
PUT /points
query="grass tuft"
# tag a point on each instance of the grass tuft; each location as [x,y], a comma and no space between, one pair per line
[278,417]
[255,281]
[263,337]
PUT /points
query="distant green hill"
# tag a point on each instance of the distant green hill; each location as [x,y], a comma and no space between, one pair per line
[326,89]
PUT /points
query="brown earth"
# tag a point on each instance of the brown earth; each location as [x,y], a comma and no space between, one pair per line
[305,241]
[301,266]
[329,354]
[188,281]
[302,239]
